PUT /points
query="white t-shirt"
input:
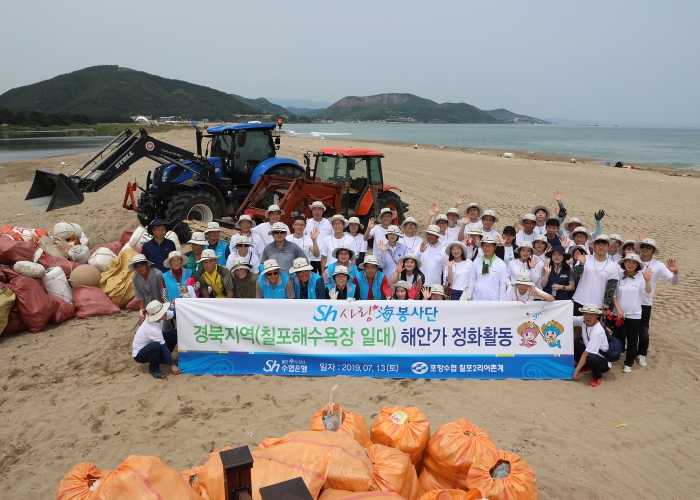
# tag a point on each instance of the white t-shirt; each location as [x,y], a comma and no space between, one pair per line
[262,230]
[330,243]
[360,243]
[594,337]
[258,245]
[412,243]
[508,254]
[591,285]
[518,266]
[629,293]
[452,233]
[306,244]
[660,271]
[521,236]
[489,286]
[378,233]
[460,274]
[324,229]
[492,232]
[513,294]
[251,258]
[540,230]
[431,264]
[149,332]
[471,225]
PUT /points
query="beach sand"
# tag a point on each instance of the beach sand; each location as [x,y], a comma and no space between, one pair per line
[72,393]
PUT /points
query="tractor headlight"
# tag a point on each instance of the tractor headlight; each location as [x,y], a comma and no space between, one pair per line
[164,177]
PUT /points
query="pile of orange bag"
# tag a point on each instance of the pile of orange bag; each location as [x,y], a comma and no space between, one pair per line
[458,462]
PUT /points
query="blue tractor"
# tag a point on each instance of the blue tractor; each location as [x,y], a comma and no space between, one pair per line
[185,185]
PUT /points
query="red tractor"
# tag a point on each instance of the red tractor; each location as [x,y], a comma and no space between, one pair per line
[347,181]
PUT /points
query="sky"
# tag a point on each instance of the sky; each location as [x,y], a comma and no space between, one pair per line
[614,62]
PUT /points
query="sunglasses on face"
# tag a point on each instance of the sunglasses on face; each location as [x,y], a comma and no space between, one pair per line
[241,246]
[278,232]
[273,273]
[645,247]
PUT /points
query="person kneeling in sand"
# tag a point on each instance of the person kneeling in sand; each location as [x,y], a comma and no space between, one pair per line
[587,353]
[153,346]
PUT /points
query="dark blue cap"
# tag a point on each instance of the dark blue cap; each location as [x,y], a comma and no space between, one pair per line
[559,249]
[157,222]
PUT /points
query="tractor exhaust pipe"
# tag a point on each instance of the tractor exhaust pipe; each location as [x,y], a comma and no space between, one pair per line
[52,190]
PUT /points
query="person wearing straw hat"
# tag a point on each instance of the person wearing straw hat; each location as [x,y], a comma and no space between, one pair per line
[471,219]
[341,287]
[370,281]
[157,249]
[280,250]
[153,346]
[272,283]
[273,214]
[333,241]
[147,280]
[408,270]
[541,214]
[343,255]
[214,279]
[402,290]
[526,261]
[647,249]
[242,249]
[556,274]
[322,227]
[488,219]
[309,243]
[527,233]
[593,342]
[391,251]
[411,238]
[634,284]
[489,275]
[198,242]
[175,284]
[244,279]
[245,225]
[457,269]
[627,247]
[220,247]
[434,292]
[453,224]
[524,290]
[377,231]
[307,283]
[540,248]
[473,242]
[598,277]
[354,226]
[443,223]
[615,244]
[431,254]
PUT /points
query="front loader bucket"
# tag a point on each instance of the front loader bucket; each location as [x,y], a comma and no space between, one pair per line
[51,191]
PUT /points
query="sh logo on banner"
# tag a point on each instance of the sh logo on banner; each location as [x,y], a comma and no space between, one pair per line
[271,366]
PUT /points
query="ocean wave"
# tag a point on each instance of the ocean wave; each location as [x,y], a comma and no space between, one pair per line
[315,134]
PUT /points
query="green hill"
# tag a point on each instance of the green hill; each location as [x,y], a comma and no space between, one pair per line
[509,117]
[263,105]
[110,91]
[403,107]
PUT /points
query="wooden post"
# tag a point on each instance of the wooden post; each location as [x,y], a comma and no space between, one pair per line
[237,464]
[294,489]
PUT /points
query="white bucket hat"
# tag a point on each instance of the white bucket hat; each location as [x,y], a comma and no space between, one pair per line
[240,262]
[401,284]
[245,217]
[488,239]
[278,226]
[616,237]
[473,205]
[355,220]
[208,254]
[647,241]
[273,208]
[581,230]
[300,264]
[433,229]
[437,289]
[270,265]
[573,220]
[341,270]
[528,217]
[634,257]
[198,239]
[580,248]
[136,259]
[589,308]
[441,217]
[413,220]
[523,279]
[393,213]
[448,248]
[539,237]
[342,246]
[475,230]
[156,310]
[624,244]
[243,240]
[488,212]
[541,207]
[602,237]
[340,218]
[317,204]
[524,244]
[370,259]
[172,255]
[393,230]
[453,211]
[212,227]
[412,257]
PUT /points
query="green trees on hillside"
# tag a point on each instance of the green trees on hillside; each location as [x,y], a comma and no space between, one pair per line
[38,119]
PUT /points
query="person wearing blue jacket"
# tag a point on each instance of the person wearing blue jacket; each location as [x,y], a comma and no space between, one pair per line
[307,284]
[175,279]
[371,282]
[273,284]
[221,248]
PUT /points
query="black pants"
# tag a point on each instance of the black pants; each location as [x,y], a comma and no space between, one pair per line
[628,332]
[152,353]
[316,264]
[644,331]
[577,306]
[597,363]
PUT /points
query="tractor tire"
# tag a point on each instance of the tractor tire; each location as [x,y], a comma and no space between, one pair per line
[392,200]
[191,205]
[145,213]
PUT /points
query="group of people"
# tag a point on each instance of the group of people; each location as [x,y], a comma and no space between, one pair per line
[458,256]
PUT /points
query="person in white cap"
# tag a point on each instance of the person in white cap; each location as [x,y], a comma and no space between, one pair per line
[471,219]
[343,255]
[242,249]
[598,277]
[615,243]
[175,280]
[454,224]
[540,246]
[319,225]
[153,346]
[307,283]
[198,242]
[370,281]
[457,269]
[541,214]
[408,270]
[489,275]
[435,292]
[647,249]
[245,225]
[488,219]
[386,215]
[627,304]
[473,241]
[147,280]
[309,243]
[214,279]
[579,236]
[587,353]
[341,287]
[524,290]
[333,241]
[220,247]
[401,291]
[273,214]
[391,251]
[354,226]
[526,261]
[411,238]
[244,279]
[627,247]
[527,233]
[432,254]
[272,283]
[282,251]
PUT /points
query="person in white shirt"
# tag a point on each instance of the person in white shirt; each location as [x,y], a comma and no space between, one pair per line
[540,247]
[411,238]
[431,256]
[488,277]
[317,223]
[541,215]
[442,222]
[598,277]
[339,237]
[587,353]
[506,247]
[627,247]
[647,248]
[453,225]
[615,244]
[245,224]
[627,304]
[307,242]
[273,214]
[386,215]
[579,236]
[473,242]
[241,247]
[457,269]
[488,219]
[527,233]
[526,262]
[153,346]
[354,226]
[524,290]
[434,292]
[408,270]
[391,251]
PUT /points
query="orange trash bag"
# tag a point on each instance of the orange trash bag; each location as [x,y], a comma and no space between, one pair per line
[450,453]
[349,468]
[403,427]
[452,495]
[519,484]
[207,480]
[77,483]
[269,469]
[331,494]
[394,472]
[354,425]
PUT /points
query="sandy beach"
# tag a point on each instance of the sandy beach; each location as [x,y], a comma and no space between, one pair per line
[72,393]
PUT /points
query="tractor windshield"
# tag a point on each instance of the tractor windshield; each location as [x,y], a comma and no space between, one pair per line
[331,168]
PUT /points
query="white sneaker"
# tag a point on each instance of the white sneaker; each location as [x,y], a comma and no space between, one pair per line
[627,369]
[641,360]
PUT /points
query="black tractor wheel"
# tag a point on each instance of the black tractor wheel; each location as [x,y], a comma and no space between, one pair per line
[191,205]
[146,211]
[392,200]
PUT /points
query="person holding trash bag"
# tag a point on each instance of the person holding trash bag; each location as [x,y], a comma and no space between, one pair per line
[153,346]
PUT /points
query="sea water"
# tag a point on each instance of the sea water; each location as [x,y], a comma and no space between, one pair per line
[16,146]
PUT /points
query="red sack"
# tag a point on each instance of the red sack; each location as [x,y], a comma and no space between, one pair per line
[13,251]
[114,246]
[91,301]
[14,324]
[33,304]
[133,305]
[126,236]
[64,312]
[47,261]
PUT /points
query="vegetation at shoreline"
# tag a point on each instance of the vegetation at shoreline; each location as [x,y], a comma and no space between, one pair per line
[32,120]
